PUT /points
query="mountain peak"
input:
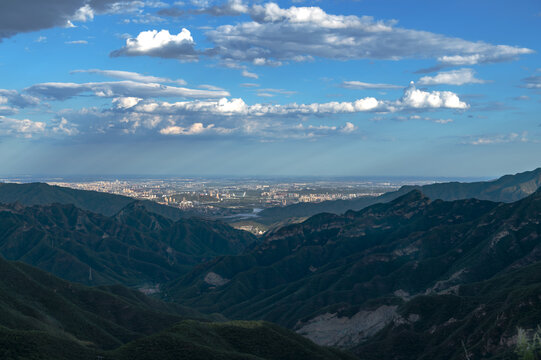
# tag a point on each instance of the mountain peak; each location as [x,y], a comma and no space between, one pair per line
[413,196]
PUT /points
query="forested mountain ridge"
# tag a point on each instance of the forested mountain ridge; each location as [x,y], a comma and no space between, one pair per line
[340,279]
[133,247]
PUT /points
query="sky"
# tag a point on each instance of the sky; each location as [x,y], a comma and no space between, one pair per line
[286,88]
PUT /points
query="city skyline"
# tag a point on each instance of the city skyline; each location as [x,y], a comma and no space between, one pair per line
[326,88]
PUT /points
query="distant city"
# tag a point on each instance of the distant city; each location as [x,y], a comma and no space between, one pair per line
[232,197]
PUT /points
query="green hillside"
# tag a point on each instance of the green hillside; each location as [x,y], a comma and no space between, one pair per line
[134,247]
[341,279]
[247,340]
[34,301]
[43,317]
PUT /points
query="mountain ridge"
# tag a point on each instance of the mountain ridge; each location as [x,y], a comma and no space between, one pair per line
[363,266]
[132,247]
[99,202]
[507,188]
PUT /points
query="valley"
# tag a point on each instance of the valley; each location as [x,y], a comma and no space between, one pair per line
[412,268]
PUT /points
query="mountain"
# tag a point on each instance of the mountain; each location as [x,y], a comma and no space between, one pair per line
[37,306]
[341,279]
[508,188]
[133,247]
[480,319]
[98,202]
[43,317]
[237,340]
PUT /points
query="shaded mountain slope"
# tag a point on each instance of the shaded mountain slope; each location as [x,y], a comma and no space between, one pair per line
[339,279]
[43,317]
[133,247]
[98,202]
[231,340]
[484,316]
[32,300]
[508,188]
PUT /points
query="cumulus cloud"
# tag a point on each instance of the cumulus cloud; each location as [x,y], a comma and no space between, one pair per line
[195,128]
[160,44]
[128,75]
[453,77]
[21,127]
[348,128]
[65,128]
[413,99]
[63,91]
[302,33]
[363,85]
[276,35]
[126,102]
[419,99]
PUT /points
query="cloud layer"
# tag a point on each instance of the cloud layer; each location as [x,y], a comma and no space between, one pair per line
[276,35]
[453,77]
[63,91]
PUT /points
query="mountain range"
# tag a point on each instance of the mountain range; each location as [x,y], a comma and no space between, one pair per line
[442,271]
[134,247]
[43,317]
[508,188]
[102,203]
[341,279]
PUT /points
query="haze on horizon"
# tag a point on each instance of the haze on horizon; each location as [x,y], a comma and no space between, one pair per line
[327,88]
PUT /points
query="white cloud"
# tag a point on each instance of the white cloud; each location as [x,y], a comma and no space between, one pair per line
[453,77]
[194,129]
[417,99]
[63,91]
[126,102]
[303,33]
[363,85]
[348,128]
[160,44]
[85,13]
[128,75]
[499,139]
[250,75]
[24,127]
[276,35]
[65,128]
[413,99]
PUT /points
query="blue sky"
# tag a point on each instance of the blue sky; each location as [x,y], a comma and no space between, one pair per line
[372,87]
